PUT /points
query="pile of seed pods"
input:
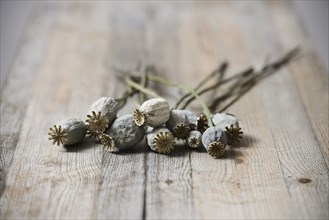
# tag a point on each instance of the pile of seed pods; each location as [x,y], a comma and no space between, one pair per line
[164,128]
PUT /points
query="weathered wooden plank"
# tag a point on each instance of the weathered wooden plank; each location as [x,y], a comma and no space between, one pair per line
[168,185]
[17,87]
[243,189]
[288,122]
[82,182]
[308,72]
[74,43]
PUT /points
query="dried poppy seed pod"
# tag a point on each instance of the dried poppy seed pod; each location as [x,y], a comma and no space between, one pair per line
[107,107]
[223,120]
[202,123]
[161,140]
[194,140]
[125,133]
[230,124]
[179,142]
[192,118]
[68,131]
[214,140]
[153,112]
[178,124]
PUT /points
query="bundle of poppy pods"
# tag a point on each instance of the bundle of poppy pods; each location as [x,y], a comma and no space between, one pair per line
[163,128]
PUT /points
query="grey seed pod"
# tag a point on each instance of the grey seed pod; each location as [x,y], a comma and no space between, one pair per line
[214,140]
[179,142]
[224,120]
[194,140]
[161,140]
[68,131]
[202,123]
[154,112]
[107,107]
[125,133]
[178,124]
[192,118]
[230,124]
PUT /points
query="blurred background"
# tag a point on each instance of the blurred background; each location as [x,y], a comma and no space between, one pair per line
[14,17]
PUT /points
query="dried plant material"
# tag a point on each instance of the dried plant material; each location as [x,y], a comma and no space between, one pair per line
[161,140]
[230,124]
[202,123]
[194,139]
[96,124]
[181,131]
[216,149]
[156,112]
[178,124]
[125,132]
[57,135]
[214,140]
[68,131]
[107,106]
[107,141]
[93,134]
[139,117]
[234,134]
[192,118]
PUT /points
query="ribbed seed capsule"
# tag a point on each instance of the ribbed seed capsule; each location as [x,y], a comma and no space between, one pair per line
[194,140]
[161,140]
[107,141]
[178,124]
[96,124]
[192,118]
[230,124]
[214,140]
[67,132]
[107,107]
[154,113]
[125,133]
[202,123]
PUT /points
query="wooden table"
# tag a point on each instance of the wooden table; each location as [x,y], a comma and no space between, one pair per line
[280,170]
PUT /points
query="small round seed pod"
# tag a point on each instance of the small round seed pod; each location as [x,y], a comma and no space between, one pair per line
[161,140]
[154,113]
[214,140]
[96,124]
[108,142]
[194,140]
[107,107]
[230,124]
[125,133]
[67,132]
[202,123]
[192,118]
[178,124]
[179,142]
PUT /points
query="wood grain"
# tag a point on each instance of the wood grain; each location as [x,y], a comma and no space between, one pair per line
[63,64]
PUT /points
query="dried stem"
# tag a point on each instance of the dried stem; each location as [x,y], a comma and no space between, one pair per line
[140,88]
[221,70]
[217,84]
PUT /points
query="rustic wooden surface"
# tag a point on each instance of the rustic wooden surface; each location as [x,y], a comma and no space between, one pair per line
[279,171]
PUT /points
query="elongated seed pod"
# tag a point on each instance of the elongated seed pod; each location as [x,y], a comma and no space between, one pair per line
[125,133]
[214,140]
[107,107]
[68,131]
[161,140]
[178,124]
[154,113]
[194,140]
